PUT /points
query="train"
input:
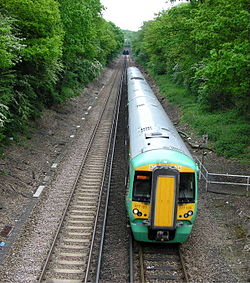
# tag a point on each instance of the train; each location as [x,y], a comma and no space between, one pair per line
[125,52]
[162,183]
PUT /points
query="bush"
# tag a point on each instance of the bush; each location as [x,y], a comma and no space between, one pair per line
[227,131]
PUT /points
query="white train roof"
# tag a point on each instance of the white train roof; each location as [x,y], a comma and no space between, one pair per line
[149,126]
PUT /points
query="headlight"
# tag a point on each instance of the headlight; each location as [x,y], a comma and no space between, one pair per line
[135,211]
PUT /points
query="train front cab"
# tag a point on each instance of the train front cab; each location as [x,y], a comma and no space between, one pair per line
[163,204]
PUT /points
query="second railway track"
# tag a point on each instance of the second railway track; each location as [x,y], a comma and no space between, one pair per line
[68,259]
[157,263]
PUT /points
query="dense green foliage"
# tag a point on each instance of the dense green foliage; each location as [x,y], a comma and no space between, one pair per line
[203,46]
[89,43]
[129,36]
[227,132]
[10,46]
[49,49]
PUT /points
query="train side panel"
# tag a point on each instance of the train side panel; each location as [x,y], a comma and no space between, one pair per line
[162,190]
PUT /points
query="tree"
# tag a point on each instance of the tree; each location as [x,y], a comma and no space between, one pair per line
[10,48]
[36,71]
[49,50]
[205,47]
[220,32]
[82,53]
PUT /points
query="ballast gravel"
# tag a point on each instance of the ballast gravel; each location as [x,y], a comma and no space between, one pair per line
[218,248]
[217,251]
[24,262]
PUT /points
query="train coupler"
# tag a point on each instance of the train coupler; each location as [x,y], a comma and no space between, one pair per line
[162,236]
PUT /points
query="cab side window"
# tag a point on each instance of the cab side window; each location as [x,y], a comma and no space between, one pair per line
[187,187]
[142,186]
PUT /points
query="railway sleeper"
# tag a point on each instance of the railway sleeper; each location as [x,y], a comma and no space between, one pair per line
[164,278]
[54,280]
[165,268]
[165,258]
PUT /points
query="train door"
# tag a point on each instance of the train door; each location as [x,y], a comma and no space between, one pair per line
[164,198]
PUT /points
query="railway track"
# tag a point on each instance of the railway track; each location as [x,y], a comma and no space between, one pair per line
[71,251]
[157,263]
[113,265]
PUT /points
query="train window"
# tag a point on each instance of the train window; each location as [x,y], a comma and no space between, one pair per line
[187,187]
[142,186]
[137,78]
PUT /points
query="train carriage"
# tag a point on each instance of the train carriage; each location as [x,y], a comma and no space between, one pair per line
[162,187]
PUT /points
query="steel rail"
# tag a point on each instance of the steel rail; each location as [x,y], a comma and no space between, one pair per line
[131,246]
[112,149]
[99,204]
[186,276]
[161,257]
[114,129]
[142,271]
[72,192]
[131,258]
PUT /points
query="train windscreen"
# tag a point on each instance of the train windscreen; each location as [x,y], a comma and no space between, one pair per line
[187,187]
[142,186]
[143,181]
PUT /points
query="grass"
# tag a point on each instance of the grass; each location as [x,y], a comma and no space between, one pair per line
[228,133]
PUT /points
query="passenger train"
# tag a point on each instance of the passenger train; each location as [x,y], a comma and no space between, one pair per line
[162,186]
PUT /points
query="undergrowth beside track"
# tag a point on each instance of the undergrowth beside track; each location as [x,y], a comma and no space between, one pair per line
[228,133]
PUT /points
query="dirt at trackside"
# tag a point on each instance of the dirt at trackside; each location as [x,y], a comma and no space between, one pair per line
[28,163]
[219,247]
